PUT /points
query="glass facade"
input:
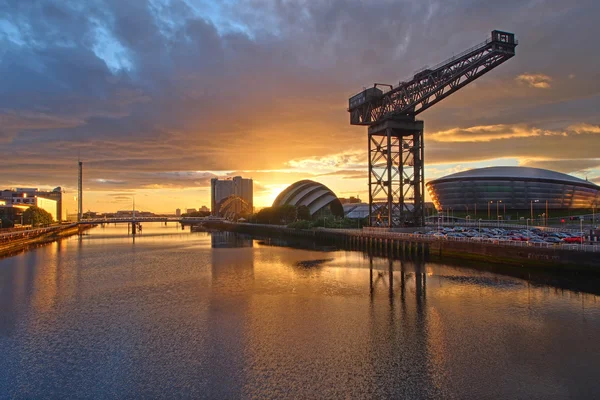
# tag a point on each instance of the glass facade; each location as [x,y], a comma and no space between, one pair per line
[514,193]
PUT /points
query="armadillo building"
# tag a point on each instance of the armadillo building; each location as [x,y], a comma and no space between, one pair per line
[516,188]
[319,199]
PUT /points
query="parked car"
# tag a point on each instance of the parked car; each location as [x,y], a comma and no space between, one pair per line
[553,239]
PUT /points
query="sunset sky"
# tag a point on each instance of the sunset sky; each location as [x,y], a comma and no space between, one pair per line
[158,96]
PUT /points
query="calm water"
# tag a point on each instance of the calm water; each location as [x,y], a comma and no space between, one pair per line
[179,314]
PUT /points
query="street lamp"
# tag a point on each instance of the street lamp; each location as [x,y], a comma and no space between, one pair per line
[531,204]
[528,232]
[490,202]
[581,231]
[479,227]
[498,211]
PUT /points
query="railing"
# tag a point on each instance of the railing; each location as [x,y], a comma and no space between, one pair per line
[456,57]
[129,219]
[28,233]
[502,225]
[431,238]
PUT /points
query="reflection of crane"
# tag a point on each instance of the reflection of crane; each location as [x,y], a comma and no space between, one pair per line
[396,138]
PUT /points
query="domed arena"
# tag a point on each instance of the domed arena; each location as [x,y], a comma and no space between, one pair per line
[512,188]
[319,199]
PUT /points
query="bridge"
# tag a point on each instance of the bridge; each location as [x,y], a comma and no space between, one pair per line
[130,220]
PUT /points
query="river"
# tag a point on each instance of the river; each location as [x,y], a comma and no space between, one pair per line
[174,314]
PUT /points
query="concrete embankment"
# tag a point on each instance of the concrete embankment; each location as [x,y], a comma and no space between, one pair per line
[19,241]
[387,243]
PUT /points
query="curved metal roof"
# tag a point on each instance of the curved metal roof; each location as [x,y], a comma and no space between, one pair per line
[312,194]
[524,173]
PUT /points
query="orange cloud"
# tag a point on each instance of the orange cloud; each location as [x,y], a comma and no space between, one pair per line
[487,133]
[538,81]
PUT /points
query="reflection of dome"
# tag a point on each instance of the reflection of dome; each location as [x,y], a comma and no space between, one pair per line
[233,206]
[517,187]
[316,196]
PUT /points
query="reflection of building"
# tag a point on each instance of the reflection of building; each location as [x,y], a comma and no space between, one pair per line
[230,240]
[514,188]
[319,199]
[35,197]
[220,189]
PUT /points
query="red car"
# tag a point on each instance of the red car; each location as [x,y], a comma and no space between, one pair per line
[575,239]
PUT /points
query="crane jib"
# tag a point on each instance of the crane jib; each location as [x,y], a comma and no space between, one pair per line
[431,84]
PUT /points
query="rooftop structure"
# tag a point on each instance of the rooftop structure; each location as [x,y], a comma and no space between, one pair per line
[515,188]
[316,196]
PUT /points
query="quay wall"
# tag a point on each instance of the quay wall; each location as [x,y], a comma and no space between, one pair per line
[22,240]
[402,244]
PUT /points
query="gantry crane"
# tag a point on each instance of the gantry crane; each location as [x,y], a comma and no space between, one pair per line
[396,180]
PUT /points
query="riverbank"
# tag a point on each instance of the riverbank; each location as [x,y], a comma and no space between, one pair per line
[403,244]
[23,240]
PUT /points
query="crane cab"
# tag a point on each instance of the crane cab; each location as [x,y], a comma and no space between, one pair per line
[504,41]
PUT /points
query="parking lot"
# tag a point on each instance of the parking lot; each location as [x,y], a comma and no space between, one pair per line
[532,236]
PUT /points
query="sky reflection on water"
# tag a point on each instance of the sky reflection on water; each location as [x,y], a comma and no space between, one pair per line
[180,314]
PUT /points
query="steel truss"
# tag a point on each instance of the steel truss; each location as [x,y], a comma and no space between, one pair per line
[396,184]
[396,139]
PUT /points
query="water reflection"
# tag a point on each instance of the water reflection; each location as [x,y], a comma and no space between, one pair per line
[230,240]
[222,316]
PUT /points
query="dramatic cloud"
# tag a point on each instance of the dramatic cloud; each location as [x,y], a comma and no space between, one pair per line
[158,96]
[539,81]
[486,133]
[566,166]
[585,128]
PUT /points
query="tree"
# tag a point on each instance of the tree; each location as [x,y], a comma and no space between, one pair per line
[36,216]
[286,213]
[276,215]
[6,223]
[303,213]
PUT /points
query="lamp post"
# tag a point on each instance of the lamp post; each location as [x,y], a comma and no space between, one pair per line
[479,220]
[528,232]
[490,202]
[531,204]
[581,230]
[498,211]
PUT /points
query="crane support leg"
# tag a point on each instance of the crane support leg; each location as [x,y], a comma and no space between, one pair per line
[396,178]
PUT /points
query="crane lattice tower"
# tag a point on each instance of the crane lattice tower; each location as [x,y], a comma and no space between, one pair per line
[396,151]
